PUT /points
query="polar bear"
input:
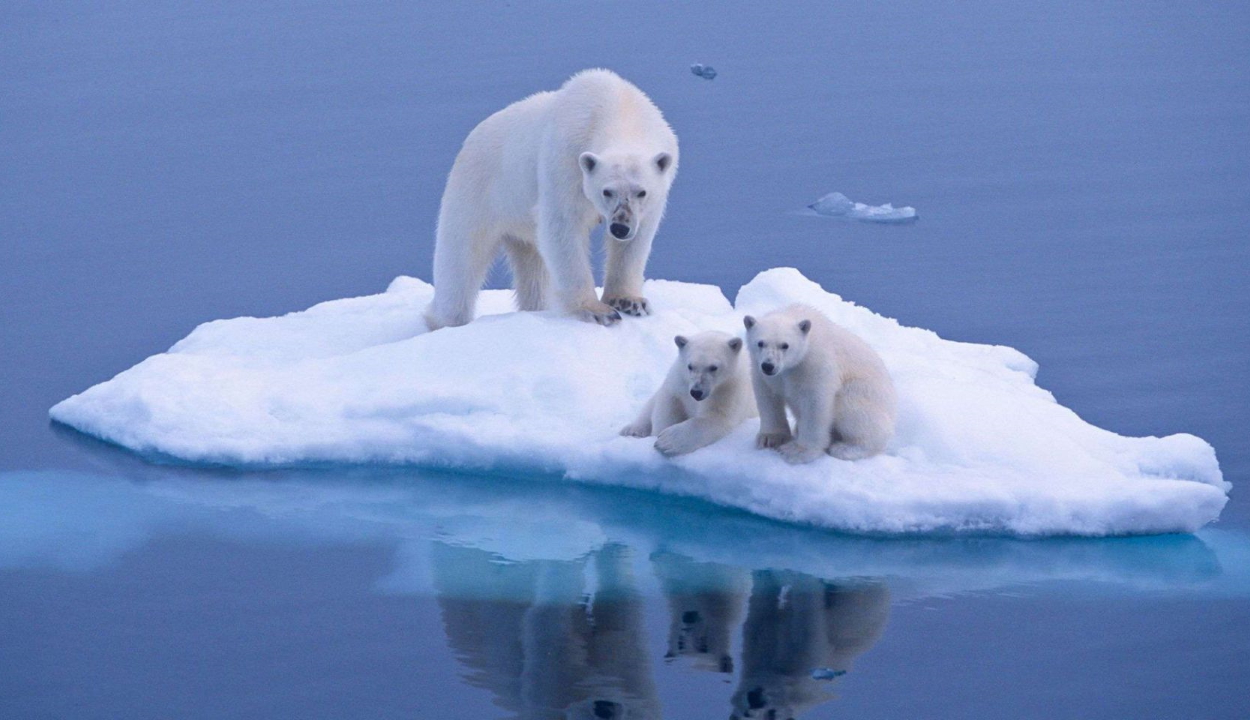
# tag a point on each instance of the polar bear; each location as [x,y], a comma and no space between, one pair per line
[702,399]
[836,385]
[536,178]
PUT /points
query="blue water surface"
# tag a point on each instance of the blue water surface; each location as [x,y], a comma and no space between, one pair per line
[1082,173]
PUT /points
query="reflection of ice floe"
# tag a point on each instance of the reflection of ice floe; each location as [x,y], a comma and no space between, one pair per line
[980,447]
[838,205]
[698,555]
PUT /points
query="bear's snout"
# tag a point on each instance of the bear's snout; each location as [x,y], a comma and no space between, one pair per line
[697,394]
[768,368]
[620,231]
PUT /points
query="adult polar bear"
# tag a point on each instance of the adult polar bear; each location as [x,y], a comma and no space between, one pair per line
[536,178]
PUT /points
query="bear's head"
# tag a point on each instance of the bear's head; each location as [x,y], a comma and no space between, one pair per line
[709,359]
[778,341]
[626,189]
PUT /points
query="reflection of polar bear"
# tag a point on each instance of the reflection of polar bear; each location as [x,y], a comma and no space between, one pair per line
[796,624]
[706,602]
[705,395]
[836,385]
[536,178]
[528,633]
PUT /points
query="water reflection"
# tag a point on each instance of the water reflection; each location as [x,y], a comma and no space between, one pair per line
[798,626]
[546,648]
[562,601]
[706,601]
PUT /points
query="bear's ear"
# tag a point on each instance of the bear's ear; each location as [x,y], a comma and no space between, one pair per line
[588,161]
[681,341]
[735,344]
[804,326]
[748,321]
[663,160]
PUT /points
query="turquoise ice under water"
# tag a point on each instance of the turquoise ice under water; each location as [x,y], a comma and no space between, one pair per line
[1083,173]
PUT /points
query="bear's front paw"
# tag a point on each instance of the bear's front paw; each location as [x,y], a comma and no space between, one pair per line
[673,441]
[597,312]
[636,306]
[797,454]
[639,430]
[771,440]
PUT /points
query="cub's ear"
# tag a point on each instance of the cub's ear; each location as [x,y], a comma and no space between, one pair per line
[589,161]
[663,160]
[735,344]
[804,326]
[681,341]
[748,321]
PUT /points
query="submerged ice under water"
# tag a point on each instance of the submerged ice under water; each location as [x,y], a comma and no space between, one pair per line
[979,446]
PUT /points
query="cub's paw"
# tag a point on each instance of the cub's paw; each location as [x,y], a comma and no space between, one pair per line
[638,430]
[636,306]
[771,440]
[597,312]
[797,454]
[673,441]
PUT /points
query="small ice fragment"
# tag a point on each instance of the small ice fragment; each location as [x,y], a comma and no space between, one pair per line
[834,203]
[707,72]
[838,205]
[824,673]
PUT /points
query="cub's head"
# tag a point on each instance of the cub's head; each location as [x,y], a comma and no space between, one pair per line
[778,341]
[626,188]
[707,359]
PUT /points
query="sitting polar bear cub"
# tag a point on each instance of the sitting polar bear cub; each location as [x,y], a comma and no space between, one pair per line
[536,178]
[703,398]
[836,385]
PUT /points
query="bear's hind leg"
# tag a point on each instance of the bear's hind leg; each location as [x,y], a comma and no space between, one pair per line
[463,254]
[529,274]
[864,421]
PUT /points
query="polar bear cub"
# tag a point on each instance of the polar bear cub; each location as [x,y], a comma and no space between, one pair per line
[836,385]
[705,395]
[535,179]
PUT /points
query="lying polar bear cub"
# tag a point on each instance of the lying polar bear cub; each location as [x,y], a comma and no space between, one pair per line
[704,397]
[836,385]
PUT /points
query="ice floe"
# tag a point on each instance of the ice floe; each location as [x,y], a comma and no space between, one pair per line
[838,205]
[979,448]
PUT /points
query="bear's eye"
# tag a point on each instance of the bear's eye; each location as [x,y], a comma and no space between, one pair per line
[760,343]
[712,369]
[690,367]
[785,346]
[642,193]
[607,193]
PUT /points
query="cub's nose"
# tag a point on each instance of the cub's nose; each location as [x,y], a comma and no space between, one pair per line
[697,394]
[619,230]
[768,368]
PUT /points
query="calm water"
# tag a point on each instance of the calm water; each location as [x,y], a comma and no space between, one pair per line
[1082,172]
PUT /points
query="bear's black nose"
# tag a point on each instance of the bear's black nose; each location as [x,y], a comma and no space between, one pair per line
[768,368]
[697,394]
[619,230]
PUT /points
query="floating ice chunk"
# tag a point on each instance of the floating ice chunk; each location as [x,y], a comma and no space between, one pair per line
[838,205]
[707,72]
[979,447]
[824,673]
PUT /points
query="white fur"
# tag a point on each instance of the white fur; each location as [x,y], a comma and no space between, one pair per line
[713,365]
[531,178]
[836,385]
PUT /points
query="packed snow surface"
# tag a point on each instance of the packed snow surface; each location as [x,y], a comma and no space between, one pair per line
[838,205]
[979,447]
